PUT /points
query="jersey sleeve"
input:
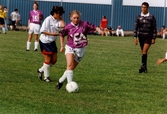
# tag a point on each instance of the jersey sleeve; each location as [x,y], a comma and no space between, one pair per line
[136,24]
[64,32]
[45,25]
[90,27]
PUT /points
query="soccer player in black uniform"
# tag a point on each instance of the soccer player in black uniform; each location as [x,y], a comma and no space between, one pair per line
[145,30]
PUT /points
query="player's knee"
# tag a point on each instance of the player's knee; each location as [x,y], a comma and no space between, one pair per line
[70,66]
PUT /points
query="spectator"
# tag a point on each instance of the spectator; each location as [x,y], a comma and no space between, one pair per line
[164,33]
[103,25]
[15,18]
[5,20]
[119,31]
[109,30]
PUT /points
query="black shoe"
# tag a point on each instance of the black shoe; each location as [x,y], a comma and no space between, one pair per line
[27,49]
[59,85]
[143,69]
[39,74]
[48,80]
[35,50]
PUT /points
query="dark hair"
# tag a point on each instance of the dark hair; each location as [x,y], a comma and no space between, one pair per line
[57,10]
[145,4]
[104,17]
[35,2]
[4,7]
[163,26]
[16,10]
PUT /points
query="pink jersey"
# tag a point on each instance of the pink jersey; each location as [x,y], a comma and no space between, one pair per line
[35,16]
[77,34]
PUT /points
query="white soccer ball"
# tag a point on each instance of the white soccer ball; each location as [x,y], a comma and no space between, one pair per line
[72,87]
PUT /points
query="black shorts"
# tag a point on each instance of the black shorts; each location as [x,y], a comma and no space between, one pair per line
[13,23]
[2,21]
[146,38]
[48,48]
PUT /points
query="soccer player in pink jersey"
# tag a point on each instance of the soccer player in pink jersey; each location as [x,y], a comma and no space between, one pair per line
[76,33]
[34,22]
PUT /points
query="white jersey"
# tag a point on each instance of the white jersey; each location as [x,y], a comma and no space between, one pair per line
[15,16]
[119,31]
[49,25]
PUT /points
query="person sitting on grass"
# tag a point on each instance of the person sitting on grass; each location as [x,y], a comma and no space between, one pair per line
[119,31]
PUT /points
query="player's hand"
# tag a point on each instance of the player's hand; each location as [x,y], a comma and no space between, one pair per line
[56,33]
[135,41]
[62,49]
[153,41]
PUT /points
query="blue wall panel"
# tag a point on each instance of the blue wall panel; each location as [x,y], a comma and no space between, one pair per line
[122,15]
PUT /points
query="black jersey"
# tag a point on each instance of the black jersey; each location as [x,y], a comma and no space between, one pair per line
[145,26]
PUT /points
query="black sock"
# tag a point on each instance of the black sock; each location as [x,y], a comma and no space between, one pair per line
[144,59]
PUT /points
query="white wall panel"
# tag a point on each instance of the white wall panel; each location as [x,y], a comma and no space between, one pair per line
[154,3]
[108,2]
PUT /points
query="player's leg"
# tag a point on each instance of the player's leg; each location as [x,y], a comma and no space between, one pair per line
[30,34]
[29,41]
[36,43]
[145,48]
[2,23]
[46,67]
[36,32]
[68,73]
[53,58]
[71,64]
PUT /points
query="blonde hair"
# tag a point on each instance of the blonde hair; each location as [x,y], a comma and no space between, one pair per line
[75,12]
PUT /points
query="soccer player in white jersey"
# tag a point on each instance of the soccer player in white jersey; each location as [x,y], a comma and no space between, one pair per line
[34,22]
[49,32]
[76,32]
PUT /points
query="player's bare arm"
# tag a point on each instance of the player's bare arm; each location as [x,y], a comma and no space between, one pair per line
[135,41]
[51,34]
[61,44]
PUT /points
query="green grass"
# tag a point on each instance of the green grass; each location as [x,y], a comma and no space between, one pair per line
[108,79]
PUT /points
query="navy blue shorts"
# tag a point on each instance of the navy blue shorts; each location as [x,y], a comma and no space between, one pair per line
[48,48]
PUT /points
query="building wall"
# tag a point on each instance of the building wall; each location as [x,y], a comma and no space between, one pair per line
[117,13]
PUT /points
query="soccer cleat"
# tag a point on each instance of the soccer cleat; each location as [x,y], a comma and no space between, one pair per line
[39,74]
[35,50]
[48,80]
[59,85]
[143,69]
[27,49]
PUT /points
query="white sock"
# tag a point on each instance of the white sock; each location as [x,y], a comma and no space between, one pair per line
[163,36]
[69,74]
[46,70]
[42,68]
[28,45]
[3,29]
[36,45]
[61,80]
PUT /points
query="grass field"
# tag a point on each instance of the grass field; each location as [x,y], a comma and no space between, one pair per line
[107,76]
